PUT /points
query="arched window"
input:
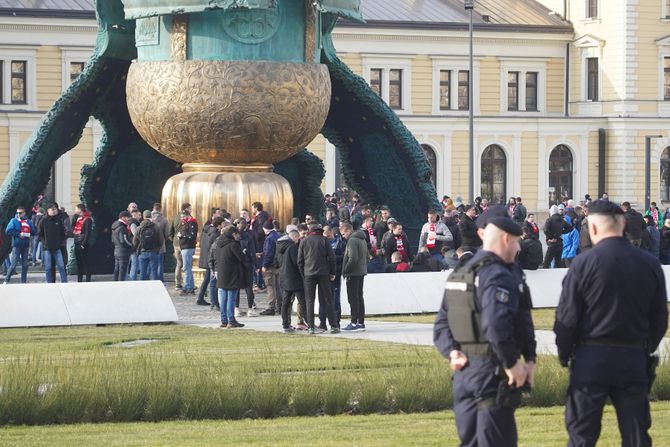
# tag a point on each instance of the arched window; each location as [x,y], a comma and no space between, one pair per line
[665,175]
[432,160]
[494,174]
[560,174]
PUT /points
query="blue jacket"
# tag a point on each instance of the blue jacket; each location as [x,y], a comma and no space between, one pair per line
[570,242]
[269,248]
[14,230]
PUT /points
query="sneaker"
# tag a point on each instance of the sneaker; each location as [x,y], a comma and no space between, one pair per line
[289,330]
[234,324]
[268,312]
[252,313]
[323,327]
[301,327]
[224,324]
[177,287]
[350,327]
[334,330]
[360,328]
[183,292]
[202,303]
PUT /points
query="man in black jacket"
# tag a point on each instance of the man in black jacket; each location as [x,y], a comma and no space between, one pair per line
[611,315]
[530,256]
[52,233]
[635,225]
[147,243]
[210,231]
[470,240]
[290,277]
[553,229]
[81,229]
[230,266]
[248,245]
[317,265]
[123,246]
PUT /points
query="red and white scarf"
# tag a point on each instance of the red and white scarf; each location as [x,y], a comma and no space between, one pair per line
[431,241]
[400,247]
[79,225]
[25,228]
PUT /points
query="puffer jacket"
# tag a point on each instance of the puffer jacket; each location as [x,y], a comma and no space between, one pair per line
[230,264]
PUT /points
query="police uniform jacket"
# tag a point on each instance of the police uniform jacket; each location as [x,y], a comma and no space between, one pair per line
[612,294]
[505,313]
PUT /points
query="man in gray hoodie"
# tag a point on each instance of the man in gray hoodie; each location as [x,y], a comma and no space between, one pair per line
[354,269]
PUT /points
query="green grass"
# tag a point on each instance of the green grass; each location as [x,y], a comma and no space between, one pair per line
[75,375]
[538,427]
[542,318]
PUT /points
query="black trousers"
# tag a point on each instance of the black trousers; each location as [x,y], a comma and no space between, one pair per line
[598,373]
[355,296]
[121,267]
[83,265]
[251,298]
[287,304]
[554,251]
[311,282]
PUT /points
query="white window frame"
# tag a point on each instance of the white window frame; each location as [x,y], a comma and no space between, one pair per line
[665,11]
[586,11]
[524,66]
[588,47]
[27,54]
[663,52]
[70,55]
[387,63]
[454,64]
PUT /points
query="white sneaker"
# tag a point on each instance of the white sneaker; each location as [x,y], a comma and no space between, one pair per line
[252,313]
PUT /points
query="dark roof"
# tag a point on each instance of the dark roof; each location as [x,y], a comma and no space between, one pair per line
[510,15]
[48,8]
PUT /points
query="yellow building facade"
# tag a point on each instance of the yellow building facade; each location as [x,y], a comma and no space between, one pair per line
[561,107]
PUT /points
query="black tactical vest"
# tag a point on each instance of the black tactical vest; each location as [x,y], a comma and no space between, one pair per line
[464,314]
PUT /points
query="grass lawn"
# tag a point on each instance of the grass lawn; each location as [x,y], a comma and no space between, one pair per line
[537,427]
[543,318]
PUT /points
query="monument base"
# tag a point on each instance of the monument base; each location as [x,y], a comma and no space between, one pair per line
[206,186]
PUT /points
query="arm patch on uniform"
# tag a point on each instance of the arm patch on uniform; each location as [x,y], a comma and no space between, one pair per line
[502,295]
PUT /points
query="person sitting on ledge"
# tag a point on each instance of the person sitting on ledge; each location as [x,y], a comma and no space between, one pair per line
[397,264]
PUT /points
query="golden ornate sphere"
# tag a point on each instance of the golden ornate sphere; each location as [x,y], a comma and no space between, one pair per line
[232,112]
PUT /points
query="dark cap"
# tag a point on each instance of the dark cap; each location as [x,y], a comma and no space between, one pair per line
[604,207]
[267,225]
[497,215]
[146,214]
[124,214]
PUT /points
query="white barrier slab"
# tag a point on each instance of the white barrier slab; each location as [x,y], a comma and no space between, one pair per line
[398,293]
[23,305]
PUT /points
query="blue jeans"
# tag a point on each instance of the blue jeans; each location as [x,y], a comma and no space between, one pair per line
[18,252]
[187,259]
[148,265]
[134,267]
[37,247]
[206,281]
[227,300]
[57,257]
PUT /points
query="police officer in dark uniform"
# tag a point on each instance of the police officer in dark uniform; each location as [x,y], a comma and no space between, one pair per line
[612,314]
[485,351]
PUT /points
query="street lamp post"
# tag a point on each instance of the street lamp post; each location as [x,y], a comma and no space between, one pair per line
[470,6]
[647,169]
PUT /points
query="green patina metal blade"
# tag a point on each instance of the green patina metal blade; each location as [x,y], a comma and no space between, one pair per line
[351,9]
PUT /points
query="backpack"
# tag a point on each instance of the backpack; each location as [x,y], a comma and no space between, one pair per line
[149,239]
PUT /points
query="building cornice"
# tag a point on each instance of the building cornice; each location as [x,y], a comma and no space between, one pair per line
[48,28]
[47,13]
[515,28]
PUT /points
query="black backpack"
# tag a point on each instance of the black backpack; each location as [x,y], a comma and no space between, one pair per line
[149,239]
